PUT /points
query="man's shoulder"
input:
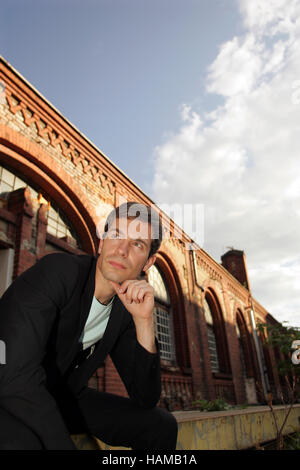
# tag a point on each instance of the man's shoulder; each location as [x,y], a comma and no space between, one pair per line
[57,272]
[55,275]
[66,260]
[69,268]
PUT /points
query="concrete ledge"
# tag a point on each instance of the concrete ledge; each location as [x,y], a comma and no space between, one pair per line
[217,430]
[232,429]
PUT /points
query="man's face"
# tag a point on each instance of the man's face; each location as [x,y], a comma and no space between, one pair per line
[124,251]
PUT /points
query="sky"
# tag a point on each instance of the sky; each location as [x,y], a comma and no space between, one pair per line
[196,101]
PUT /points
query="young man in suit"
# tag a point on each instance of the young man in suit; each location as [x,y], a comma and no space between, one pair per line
[60,319]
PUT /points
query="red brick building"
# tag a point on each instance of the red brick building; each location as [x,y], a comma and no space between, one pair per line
[54,184]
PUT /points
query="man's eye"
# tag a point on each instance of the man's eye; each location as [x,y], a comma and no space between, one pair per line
[139,244]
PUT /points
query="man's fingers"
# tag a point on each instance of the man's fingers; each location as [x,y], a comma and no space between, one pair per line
[141,295]
[132,290]
[124,290]
[126,284]
[138,293]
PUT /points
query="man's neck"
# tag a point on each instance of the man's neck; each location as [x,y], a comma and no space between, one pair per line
[103,303]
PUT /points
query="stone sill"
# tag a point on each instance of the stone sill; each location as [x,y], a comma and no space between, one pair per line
[194,415]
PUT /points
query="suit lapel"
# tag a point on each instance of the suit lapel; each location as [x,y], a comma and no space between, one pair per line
[87,297]
[73,324]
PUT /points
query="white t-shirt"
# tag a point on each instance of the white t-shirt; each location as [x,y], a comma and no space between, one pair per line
[96,323]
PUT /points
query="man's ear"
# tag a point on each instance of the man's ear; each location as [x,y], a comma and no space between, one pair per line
[149,263]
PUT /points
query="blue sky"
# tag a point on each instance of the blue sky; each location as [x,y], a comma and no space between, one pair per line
[197,101]
[118,69]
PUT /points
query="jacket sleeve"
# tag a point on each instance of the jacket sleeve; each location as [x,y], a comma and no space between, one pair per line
[138,368]
[27,314]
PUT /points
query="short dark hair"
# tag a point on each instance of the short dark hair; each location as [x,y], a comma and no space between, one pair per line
[146,213]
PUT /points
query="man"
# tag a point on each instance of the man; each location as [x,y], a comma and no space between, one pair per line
[60,319]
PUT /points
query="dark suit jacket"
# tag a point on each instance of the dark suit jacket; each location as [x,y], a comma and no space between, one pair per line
[42,315]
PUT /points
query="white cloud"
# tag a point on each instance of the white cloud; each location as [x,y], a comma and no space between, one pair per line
[270,17]
[241,160]
[240,58]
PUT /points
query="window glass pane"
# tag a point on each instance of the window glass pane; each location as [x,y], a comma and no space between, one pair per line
[52,213]
[156,281]
[60,221]
[19,183]
[51,230]
[207,313]
[8,177]
[164,332]
[4,188]
[34,193]
[163,320]
[57,220]
[62,227]
[212,343]
[52,223]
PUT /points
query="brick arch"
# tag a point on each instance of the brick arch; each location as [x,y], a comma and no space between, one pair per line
[166,253]
[166,265]
[19,153]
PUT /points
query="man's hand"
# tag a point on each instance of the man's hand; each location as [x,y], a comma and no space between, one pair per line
[138,298]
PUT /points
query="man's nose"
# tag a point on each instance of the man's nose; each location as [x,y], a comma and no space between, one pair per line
[123,247]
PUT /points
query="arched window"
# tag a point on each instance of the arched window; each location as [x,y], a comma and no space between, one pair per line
[212,343]
[216,334]
[58,224]
[163,319]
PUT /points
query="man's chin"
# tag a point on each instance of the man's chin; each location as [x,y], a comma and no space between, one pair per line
[116,277]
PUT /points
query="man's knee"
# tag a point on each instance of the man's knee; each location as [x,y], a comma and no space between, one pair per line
[163,421]
[160,430]
[168,420]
